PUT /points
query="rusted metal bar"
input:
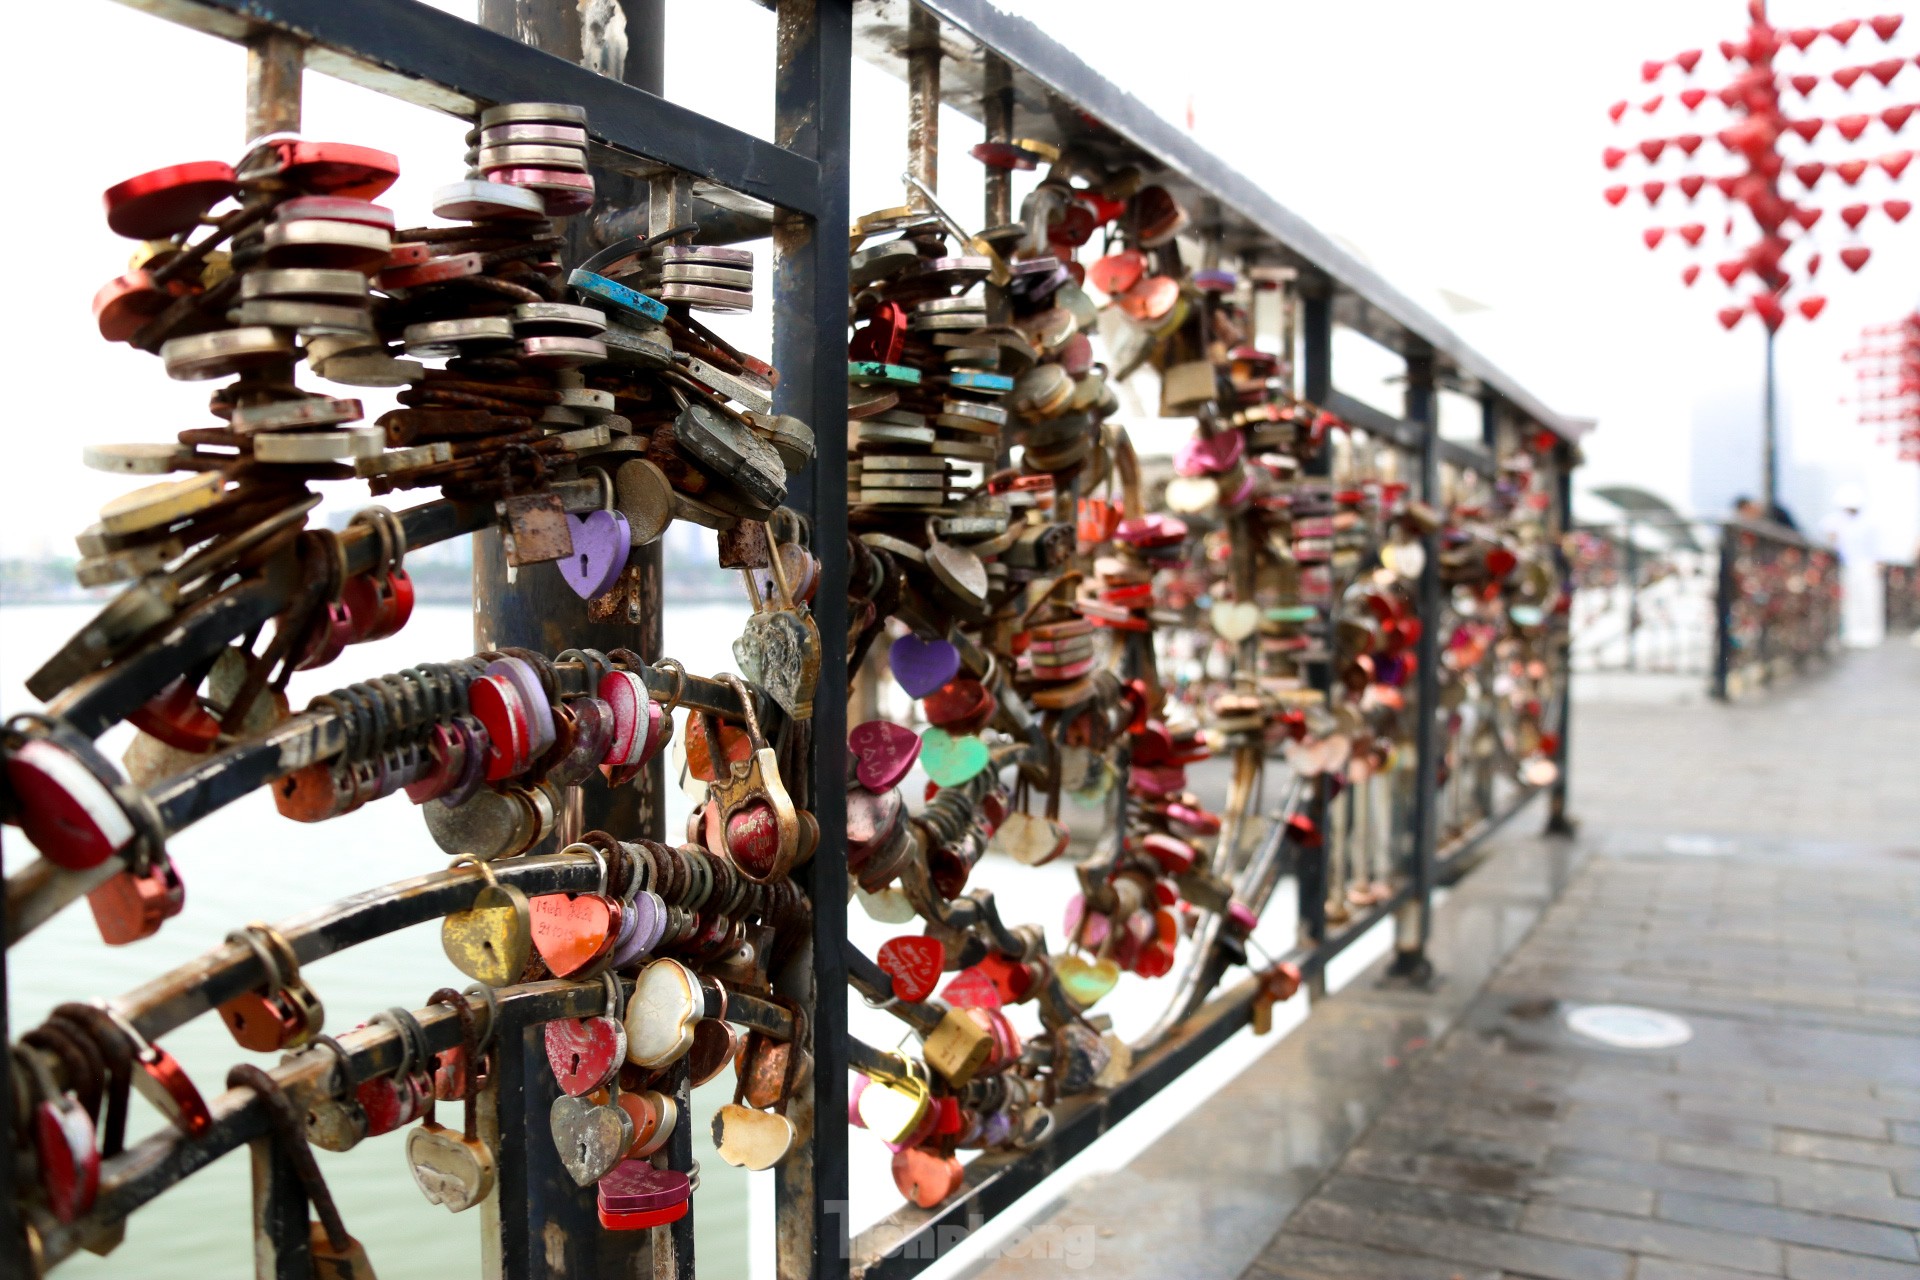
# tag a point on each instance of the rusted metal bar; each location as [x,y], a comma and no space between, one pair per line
[923,102]
[275,62]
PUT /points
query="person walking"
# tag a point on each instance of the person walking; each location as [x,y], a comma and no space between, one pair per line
[1863,592]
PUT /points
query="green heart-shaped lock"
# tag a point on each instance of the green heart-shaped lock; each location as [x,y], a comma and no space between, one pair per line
[1085,981]
[951,761]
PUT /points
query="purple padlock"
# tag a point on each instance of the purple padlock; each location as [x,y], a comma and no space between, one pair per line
[635,1186]
[479,746]
[640,928]
[922,666]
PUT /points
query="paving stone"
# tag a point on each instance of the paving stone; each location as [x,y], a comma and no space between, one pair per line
[1423,1201]
[1853,1178]
[1822,1264]
[1302,1257]
[1897,1210]
[1590,1193]
[1666,1177]
[1670,1269]
[1846,1121]
[1530,1255]
[1791,1225]
[1648,1236]
[1884,1155]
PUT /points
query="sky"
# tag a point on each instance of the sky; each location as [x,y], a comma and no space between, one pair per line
[1455,147]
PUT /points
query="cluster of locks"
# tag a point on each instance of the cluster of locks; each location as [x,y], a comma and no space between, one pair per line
[1072,626]
[580,411]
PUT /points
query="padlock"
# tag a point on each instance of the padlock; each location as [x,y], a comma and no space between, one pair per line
[760,828]
[957,1047]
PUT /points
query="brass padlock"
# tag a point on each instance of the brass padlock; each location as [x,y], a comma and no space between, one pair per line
[958,1047]
[759,825]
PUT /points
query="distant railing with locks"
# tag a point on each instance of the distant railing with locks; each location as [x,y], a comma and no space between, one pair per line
[1903,597]
[1776,606]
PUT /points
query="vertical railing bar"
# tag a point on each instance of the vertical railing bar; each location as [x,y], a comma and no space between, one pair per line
[811,117]
[280,1218]
[1559,821]
[1316,384]
[1413,920]
[547,1225]
[1723,616]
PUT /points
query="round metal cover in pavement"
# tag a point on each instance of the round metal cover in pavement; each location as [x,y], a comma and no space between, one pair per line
[1627,1026]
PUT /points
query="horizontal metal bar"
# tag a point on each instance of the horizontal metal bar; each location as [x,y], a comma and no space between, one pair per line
[40,890]
[1046,68]
[422,55]
[1456,857]
[144,1171]
[1375,422]
[1468,456]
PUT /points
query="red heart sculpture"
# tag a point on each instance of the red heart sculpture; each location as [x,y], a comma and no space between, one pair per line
[1728,49]
[1845,76]
[1687,59]
[1813,265]
[1844,29]
[1809,173]
[1850,170]
[1806,217]
[1652,191]
[1692,232]
[1805,83]
[1811,307]
[1615,195]
[1613,156]
[1768,308]
[1730,271]
[1803,36]
[1652,148]
[1691,274]
[1851,127]
[914,964]
[1691,98]
[1726,184]
[1855,256]
[1617,110]
[1691,184]
[1653,235]
[1807,129]
[1896,117]
[1652,104]
[1885,25]
[1897,209]
[1689,142]
[1887,68]
[886,753]
[1650,71]
[1896,162]
[1730,316]
[1854,214]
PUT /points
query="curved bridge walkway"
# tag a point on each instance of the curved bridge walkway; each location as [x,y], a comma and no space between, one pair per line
[1753,870]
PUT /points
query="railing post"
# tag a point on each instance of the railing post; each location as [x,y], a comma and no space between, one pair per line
[1723,615]
[1316,354]
[1631,550]
[539,1223]
[811,112]
[1412,922]
[1559,821]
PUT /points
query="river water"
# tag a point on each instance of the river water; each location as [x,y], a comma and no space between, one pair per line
[248,863]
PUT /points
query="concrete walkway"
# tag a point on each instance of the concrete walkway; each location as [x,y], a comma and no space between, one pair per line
[1753,870]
